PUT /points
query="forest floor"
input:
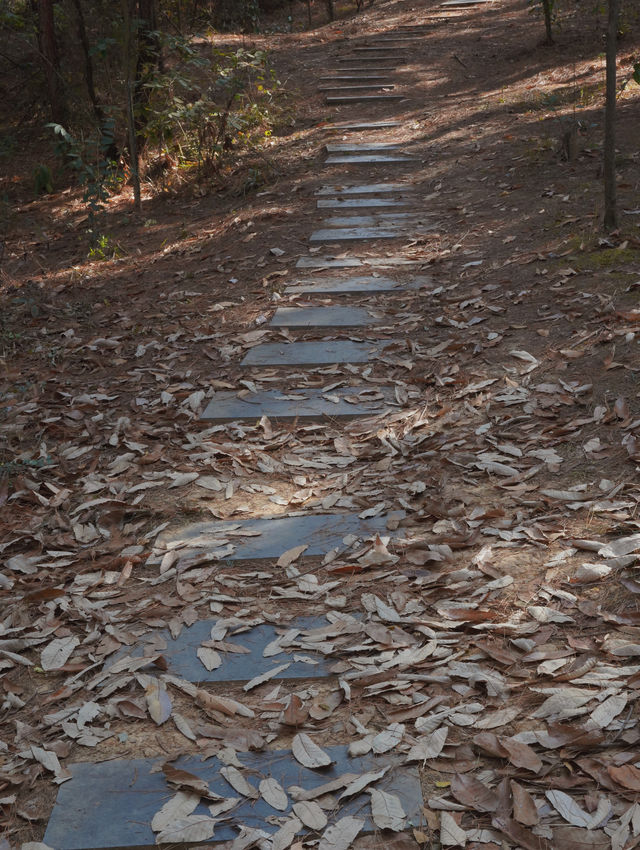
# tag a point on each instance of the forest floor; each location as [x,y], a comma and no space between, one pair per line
[513,451]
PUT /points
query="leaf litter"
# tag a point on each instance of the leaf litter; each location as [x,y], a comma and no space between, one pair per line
[489,635]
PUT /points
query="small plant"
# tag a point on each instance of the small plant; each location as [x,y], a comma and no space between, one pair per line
[43,180]
[103,248]
[94,169]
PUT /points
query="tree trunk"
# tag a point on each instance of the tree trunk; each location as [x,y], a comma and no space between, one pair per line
[49,53]
[330,10]
[129,61]
[609,163]
[547,8]
[88,63]
[148,59]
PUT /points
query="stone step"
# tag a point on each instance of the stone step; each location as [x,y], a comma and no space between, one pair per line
[387,49]
[374,125]
[364,188]
[339,285]
[182,660]
[362,147]
[350,60]
[351,234]
[316,353]
[307,404]
[373,220]
[368,158]
[354,77]
[322,317]
[347,88]
[111,804]
[334,100]
[367,68]
[266,538]
[319,262]
[361,203]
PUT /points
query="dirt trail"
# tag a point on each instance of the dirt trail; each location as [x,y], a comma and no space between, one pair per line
[453,504]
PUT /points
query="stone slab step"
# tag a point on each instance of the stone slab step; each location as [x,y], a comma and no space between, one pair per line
[111,804]
[349,60]
[368,158]
[385,48]
[458,3]
[374,125]
[181,652]
[339,285]
[354,77]
[315,353]
[323,317]
[267,538]
[306,404]
[361,203]
[362,147]
[318,262]
[351,234]
[399,219]
[332,100]
[367,68]
[348,88]
[365,188]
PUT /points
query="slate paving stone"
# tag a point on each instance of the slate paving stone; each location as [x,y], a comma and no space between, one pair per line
[364,188]
[383,48]
[336,285]
[319,353]
[318,262]
[323,317]
[268,537]
[349,88]
[362,203]
[368,68]
[110,806]
[399,219]
[182,659]
[352,234]
[364,158]
[454,3]
[363,147]
[306,404]
[332,100]
[374,125]
[346,60]
[353,77]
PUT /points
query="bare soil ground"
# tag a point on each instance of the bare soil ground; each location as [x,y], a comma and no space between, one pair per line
[514,446]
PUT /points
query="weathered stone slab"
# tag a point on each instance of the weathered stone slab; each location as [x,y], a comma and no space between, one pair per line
[369,158]
[365,188]
[347,60]
[347,78]
[338,285]
[381,48]
[267,538]
[316,353]
[384,219]
[317,262]
[363,147]
[351,234]
[374,125]
[349,88]
[110,805]
[322,317]
[182,658]
[300,404]
[350,68]
[458,3]
[362,203]
[361,98]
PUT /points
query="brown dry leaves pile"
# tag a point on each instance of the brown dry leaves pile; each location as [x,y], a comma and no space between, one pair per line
[481,638]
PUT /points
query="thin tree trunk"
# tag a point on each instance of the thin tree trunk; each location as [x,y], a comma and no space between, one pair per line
[609,163]
[148,58]
[49,52]
[309,13]
[129,62]
[330,10]
[547,8]
[88,63]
